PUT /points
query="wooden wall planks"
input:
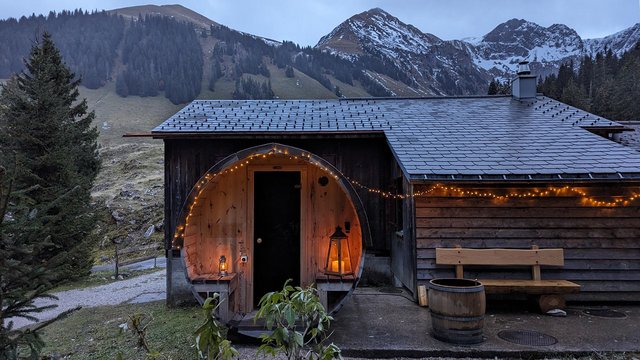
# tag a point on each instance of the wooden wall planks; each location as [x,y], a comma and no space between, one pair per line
[601,244]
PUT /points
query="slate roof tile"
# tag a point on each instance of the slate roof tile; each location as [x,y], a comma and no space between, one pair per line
[437,136]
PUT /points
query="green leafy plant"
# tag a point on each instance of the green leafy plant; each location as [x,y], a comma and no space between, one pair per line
[299,323]
[211,337]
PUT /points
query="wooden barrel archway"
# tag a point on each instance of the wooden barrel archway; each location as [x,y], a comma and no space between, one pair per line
[217,219]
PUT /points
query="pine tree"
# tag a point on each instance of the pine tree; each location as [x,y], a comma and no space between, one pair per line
[121,86]
[55,147]
[23,277]
[574,95]
[493,87]
[289,72]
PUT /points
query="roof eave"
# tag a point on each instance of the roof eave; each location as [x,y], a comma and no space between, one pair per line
[259,135]
[526,178]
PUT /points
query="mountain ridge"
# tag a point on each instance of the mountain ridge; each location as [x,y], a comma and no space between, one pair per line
[173,10]
[494,55]
[380,54]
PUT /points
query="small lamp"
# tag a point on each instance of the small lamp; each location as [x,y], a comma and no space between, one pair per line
[338,256]
[222,266]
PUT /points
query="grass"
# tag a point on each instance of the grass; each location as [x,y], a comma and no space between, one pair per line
[116,116]
[94,333]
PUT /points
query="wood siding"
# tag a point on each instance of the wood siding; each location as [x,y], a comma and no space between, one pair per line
[368,160]
[602,244]
[222,224]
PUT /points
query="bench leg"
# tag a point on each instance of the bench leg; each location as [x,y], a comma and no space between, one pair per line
[322,294]
[549,302]
[223,309]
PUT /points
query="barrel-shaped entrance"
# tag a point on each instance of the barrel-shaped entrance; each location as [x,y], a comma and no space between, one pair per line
[268,214]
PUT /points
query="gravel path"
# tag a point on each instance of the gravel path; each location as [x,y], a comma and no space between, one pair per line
[144,288]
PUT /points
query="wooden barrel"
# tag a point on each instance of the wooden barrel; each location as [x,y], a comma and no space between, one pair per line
[457,309]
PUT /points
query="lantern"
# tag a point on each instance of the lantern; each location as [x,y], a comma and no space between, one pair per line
[338,256]
[222,266]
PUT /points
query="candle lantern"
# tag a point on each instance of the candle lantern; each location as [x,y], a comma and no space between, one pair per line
[222,266]
[338,256]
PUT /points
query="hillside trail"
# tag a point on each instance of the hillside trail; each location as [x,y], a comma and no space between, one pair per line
[139,289]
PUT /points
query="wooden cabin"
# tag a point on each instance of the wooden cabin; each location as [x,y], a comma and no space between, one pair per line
[254,191]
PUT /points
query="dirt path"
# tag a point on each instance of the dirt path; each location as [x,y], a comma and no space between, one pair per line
[144,288]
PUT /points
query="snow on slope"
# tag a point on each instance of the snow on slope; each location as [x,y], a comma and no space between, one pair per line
[619,42]
[515,40]
[435,66]
[376,29]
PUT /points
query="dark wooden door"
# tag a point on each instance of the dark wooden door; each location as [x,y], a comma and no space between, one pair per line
[276,233]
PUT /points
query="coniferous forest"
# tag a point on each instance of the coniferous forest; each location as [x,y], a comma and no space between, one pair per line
[606,85]
[161,54]
[150,55]
[87,41]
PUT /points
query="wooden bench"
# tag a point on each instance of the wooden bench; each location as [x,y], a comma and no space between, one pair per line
[549,293]
[329,283]
[213,283]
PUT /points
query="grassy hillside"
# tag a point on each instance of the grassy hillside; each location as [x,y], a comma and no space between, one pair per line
[176,11]
[116,116]
[128,192]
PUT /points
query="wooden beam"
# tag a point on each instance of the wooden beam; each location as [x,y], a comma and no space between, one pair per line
[422,296]
[536,287]
[535,269]
[552,257]
[260,134]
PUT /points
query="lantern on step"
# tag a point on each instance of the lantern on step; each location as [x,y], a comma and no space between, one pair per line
[338,256]
[223,267]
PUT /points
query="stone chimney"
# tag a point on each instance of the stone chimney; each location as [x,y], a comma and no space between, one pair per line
[524,84]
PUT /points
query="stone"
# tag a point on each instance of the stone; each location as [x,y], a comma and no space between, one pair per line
[150,230]
[116,216]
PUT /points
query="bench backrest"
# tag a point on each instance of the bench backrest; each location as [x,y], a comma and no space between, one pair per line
[500,257]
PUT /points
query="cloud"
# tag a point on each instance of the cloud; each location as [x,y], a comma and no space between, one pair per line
[304,22]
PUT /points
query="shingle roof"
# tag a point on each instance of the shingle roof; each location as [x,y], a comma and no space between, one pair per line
[438,138]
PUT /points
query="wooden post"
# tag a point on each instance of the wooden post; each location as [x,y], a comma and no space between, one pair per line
[550,302]
[324,300]
[422,296]
[535,269]
[117,260]
[459,268]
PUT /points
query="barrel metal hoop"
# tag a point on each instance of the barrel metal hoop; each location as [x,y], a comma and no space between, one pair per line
[469,289]
[456,318]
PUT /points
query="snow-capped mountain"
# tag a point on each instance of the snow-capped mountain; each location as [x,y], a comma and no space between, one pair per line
[500,50]
[377,29]
[437,67]
[430,65]
[619,42]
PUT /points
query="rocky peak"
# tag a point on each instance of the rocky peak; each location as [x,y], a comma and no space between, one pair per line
[502,48]
[375,29]
[619,42]
[530,35]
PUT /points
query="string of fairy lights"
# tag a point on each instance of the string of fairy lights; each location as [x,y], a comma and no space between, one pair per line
[452,191]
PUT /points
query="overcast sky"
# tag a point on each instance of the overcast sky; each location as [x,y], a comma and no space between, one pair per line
[305,21]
